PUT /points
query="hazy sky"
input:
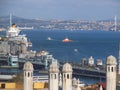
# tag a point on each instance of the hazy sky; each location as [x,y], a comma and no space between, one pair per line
[61,9]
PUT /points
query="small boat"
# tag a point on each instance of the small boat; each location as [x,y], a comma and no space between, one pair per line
[49,38]
[75,50]
[66,40]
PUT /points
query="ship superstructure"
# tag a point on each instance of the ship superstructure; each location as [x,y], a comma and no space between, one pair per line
[13,31]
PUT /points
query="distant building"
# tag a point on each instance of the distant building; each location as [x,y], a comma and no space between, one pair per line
[4,46]
[84,61]
[91,61]
[13,61]
[99,62]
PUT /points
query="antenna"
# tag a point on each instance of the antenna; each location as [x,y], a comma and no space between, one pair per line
[115,23]
[10,19]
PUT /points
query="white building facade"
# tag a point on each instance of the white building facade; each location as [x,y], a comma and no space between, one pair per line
[111,73]
[53,76]
[67,77]
[28,76]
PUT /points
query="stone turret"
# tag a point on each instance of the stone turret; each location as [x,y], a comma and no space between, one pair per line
[67,77]
[53,76]
[111,73]
[28,76]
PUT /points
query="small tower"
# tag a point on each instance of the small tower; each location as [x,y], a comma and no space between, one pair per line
[77,87]
[67,77]
[74,82]
[53,76]
[111,73]
[28,76]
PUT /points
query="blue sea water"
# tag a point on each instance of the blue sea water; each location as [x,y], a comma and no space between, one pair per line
[98,44]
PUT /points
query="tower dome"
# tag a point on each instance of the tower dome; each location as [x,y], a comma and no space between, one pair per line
[54,68]
[28,66]
[67,68]
[111,60]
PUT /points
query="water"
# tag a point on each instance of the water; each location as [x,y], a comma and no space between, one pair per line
[98,44]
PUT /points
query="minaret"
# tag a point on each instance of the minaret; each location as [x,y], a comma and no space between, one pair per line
[28,76]
[119,61]
[67,77]
[53,76]
[111,73]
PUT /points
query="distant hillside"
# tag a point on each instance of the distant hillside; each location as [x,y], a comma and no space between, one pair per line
[60,24]
[15,19]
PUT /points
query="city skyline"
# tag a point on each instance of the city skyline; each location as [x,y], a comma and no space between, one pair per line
[62,9]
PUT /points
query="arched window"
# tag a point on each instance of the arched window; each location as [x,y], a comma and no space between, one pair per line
[68,76]
[112,69]
[28,74]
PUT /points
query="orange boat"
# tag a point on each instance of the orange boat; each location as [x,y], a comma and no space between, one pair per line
[66,40]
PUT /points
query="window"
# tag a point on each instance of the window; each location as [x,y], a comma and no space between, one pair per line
[67,76]
[112,69]
[2,85]
[28,74]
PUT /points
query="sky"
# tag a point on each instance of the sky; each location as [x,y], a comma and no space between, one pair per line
[61,9]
